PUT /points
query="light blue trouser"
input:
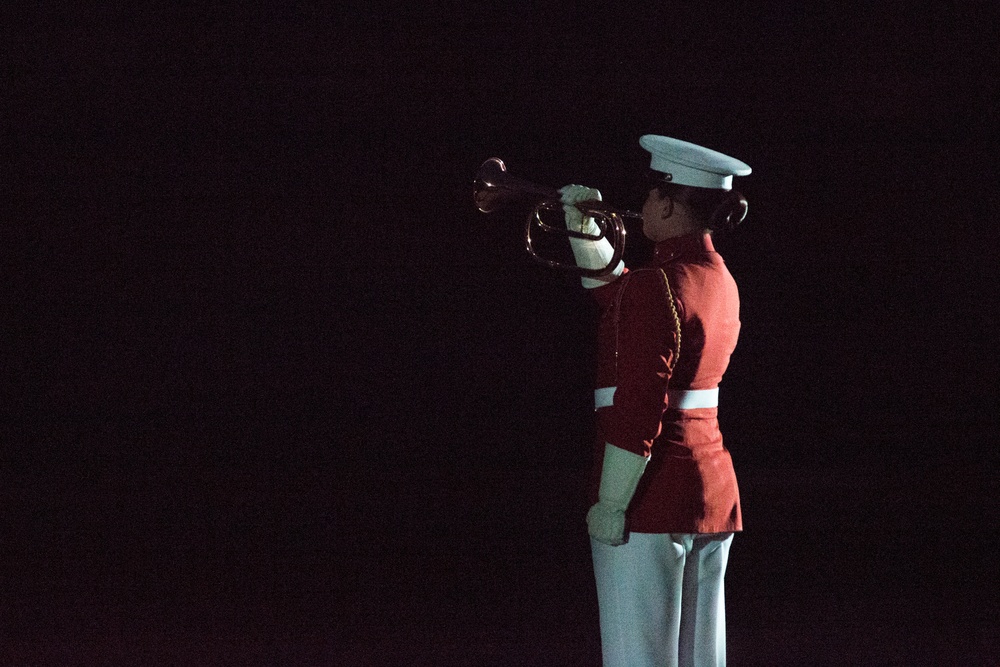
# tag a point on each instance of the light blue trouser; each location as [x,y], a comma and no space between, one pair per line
[662,600]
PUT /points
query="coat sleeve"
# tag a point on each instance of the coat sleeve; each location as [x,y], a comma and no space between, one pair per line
[646,335]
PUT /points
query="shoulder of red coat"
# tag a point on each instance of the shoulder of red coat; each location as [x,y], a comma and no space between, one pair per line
[643,285]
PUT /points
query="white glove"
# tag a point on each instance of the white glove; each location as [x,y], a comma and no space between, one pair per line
[588,254]
[574,194]
[620,476]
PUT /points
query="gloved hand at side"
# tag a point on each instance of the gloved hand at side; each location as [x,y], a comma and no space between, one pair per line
[620,476]
[589,254]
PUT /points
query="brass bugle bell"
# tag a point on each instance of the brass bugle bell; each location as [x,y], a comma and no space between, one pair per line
[494,188]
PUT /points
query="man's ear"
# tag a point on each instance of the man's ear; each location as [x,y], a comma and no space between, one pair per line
[668,208]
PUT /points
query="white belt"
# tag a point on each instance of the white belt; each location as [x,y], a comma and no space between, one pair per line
[677,399]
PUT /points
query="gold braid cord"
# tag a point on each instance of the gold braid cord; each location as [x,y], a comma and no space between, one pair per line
[677,320]
[673,312]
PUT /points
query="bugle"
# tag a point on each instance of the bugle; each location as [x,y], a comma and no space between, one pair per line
[494,187]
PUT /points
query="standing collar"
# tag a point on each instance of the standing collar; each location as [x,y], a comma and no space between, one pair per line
[671,248]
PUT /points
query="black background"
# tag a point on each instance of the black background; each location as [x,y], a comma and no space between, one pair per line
[274,392]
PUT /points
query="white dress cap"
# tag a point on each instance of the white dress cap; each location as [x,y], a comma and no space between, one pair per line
[689,164]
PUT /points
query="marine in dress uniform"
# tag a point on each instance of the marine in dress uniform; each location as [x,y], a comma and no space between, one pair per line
[665,500]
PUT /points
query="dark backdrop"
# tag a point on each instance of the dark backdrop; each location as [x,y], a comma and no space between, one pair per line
[274,392]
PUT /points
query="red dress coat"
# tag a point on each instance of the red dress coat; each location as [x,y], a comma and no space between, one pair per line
[643,386]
